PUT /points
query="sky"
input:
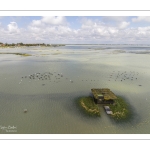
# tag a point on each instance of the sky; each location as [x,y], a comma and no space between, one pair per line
[75,29]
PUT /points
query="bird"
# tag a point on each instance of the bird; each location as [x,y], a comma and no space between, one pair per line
[25,110]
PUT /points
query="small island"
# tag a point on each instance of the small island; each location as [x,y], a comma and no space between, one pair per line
[89,106]
[115,106]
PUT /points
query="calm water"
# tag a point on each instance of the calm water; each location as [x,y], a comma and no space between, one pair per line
[48,83]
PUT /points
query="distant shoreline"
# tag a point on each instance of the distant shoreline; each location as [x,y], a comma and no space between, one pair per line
[2,45]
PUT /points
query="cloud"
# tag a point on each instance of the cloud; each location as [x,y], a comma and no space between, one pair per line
[12,27]
[49,20]
[144,31]
[54,20]
[36,23]
[51,28]
[141,18]
[90,23]
[120,33]
[116,21]
[124,24]
[58,30]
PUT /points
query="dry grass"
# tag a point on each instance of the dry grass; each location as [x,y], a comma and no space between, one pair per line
[120,109]
[88,104]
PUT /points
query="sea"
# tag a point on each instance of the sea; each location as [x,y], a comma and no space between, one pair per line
[49,82]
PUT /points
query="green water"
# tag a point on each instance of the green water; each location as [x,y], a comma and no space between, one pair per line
[51,103]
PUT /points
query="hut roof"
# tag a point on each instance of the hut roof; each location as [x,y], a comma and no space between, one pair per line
[108,95]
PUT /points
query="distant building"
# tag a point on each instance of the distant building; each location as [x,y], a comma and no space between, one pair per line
[103,96]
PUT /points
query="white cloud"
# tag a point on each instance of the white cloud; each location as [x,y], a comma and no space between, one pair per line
[144,28]
[57,30]
[90,31]
[12,27]
[87,23]
[143,31]
[53,28]
[124,24]
[36,23]
[49,20]
[112,30]
[54,20]
[141,18]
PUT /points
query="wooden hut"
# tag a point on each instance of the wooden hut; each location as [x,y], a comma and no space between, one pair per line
[103,96]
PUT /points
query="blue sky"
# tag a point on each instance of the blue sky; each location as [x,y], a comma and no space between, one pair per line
[75,29]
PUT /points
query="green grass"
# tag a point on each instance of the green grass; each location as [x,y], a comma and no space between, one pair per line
[120,109]
[88,104]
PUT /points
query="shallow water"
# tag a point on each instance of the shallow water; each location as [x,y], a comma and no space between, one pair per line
[75,69]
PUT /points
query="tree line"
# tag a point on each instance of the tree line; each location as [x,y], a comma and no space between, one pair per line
[33,44]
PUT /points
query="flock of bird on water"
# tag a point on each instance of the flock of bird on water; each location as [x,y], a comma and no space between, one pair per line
[115,75]
[43,77]
[122,76]
[56,77]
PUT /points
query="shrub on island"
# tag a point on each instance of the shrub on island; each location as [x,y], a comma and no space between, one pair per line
[120,109]
[88,104]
